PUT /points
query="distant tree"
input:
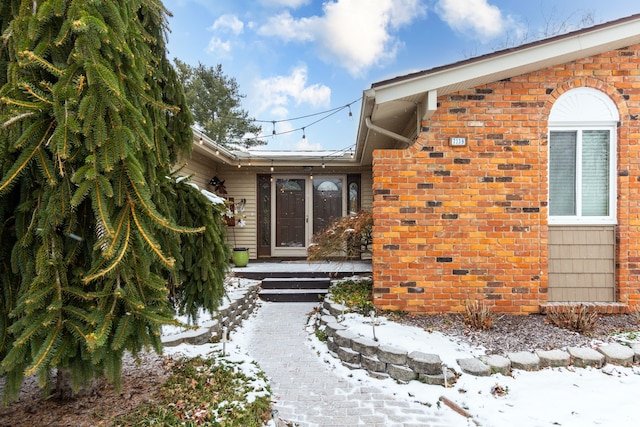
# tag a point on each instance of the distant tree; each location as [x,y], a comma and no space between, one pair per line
[94,229]
[553,24]
[214,100]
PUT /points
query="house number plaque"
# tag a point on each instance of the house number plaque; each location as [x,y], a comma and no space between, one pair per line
[458,142]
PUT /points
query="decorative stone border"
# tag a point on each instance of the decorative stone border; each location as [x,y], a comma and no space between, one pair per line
[237,305]
[384,361]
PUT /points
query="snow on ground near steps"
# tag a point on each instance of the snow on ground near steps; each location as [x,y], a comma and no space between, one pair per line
[568,397]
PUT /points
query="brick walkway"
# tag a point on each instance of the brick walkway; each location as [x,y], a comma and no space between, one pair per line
[308,393]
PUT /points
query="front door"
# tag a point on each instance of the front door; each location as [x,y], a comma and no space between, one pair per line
[303,206]
[291,219]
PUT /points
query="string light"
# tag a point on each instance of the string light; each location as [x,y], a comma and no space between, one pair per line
[325,115]
[303,134]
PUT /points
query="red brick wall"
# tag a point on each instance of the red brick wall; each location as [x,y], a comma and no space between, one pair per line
[457,223]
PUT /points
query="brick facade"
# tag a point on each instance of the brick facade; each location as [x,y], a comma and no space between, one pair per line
[457,223]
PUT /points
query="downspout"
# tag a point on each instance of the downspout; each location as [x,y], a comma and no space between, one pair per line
[386,132]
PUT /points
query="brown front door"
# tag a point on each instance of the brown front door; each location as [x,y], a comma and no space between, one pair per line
[291,219]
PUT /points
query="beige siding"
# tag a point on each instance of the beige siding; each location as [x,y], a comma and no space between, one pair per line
[366,182]
[200,168]
[241,184]
[581,263]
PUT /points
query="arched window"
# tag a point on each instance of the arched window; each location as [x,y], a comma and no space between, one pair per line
[582,158]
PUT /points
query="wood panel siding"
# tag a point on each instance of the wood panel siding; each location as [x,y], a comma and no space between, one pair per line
[582,263]
[242,184]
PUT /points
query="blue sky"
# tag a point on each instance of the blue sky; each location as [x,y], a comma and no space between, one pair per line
[308,58]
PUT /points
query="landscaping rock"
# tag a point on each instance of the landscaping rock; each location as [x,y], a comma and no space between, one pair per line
[473,366]
[331,344]
[326,319]
[343,338]
[337,309]
[636,350]
[553,358]
[498,364]
[349,356]
[395,356]
[438,379]
[365,346]
[584,356]
[617,354]
[332,327]
[425,363]
[372,364]
[524,360]
[400,373]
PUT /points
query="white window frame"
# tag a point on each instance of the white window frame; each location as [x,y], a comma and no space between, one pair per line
[579,219]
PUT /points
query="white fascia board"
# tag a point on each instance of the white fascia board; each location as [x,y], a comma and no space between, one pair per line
[524,60]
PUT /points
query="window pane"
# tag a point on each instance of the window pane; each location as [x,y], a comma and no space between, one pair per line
[562,173]
[595,173]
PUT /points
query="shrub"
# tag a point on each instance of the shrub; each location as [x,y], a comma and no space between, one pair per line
[576,318]
[357,295]
[347,237]
[477,315]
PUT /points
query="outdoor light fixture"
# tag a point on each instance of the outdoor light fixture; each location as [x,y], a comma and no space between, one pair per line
[200,140]
[271,165]
[350,113]
[303,134]
[274,128]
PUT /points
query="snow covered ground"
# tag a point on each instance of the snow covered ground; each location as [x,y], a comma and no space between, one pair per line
[569,397]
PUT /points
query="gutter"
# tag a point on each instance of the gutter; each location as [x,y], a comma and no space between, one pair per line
[386,132]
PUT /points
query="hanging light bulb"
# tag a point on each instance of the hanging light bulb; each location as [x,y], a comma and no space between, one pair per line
[350,113]
[271,165]
[200,141]
[303,134]
[274,128]
[323,164]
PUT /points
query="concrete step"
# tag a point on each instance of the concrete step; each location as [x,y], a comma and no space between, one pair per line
[292,295]
[296,283]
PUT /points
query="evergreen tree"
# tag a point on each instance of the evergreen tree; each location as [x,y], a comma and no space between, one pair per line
[92,223]
[214,100]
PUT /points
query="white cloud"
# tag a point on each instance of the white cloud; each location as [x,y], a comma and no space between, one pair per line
[219,46]
[355,34]
[228,23]
[275,93]
[287,28]
[474,17]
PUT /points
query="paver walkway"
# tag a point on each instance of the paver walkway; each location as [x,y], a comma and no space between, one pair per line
[308,393]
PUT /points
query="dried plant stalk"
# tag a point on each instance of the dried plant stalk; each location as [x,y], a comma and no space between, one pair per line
[477,315]
[576,318]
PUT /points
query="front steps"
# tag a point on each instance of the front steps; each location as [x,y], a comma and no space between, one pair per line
[294,289]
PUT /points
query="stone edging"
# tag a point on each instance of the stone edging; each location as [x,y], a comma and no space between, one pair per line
[384,361]
[236,307]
